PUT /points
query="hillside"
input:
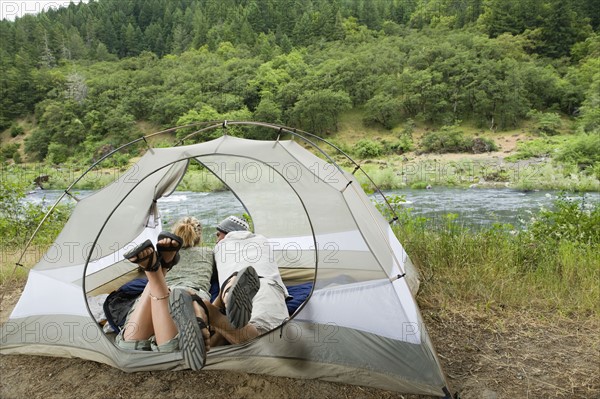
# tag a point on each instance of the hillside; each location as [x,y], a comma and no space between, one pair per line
[82,80]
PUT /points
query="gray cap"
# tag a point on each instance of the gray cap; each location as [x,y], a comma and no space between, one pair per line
[232,223]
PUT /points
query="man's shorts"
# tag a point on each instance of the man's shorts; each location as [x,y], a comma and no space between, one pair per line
[268,307]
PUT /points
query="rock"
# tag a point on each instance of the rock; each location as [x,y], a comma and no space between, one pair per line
[41,179]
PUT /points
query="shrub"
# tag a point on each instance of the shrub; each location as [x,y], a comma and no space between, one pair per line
[582,150]
[366,148]
[16,130]
[382,109]
[19,219]
[482,144]
[404,144]
[542,147]
[547,123]
[8,151]
[571,220]
[447,139]
[58,153]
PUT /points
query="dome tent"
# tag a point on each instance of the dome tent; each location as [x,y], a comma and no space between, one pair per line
[360,325]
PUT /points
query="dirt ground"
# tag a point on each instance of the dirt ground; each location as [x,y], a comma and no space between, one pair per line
[486,354]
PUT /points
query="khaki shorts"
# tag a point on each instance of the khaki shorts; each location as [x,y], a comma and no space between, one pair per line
[268,307]
[171,345]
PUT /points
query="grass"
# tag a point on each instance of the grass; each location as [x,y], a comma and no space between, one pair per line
[500,269]
[546,176]
[464,173]
[8,259]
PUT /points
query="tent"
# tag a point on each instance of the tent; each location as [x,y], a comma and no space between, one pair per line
[360,325]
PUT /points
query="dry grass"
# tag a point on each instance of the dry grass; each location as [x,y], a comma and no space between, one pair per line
[514,353]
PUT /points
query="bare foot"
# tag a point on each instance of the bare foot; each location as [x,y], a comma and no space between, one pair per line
[147,256]
[167,256]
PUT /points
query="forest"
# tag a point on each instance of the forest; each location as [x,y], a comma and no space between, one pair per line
[82,80]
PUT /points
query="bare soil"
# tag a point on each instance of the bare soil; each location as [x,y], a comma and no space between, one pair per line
[486,354]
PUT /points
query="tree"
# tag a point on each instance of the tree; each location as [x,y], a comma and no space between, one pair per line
[383,109]
[76,88]
[267,110]
[102,54]
[318,111]
[560,30]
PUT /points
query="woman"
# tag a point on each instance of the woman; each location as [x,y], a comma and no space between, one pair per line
[195,266]
[182,322]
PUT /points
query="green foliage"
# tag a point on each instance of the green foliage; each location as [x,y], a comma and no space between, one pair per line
[582,150]
[16,130]
[542,147]
[206,113]
[447,139]
[90,74]
[383,109]
[393,207]
[18,219]
[419,185]
[547,123]
[8,151]
[57,153]
[400,146]
[318,111]
[366,148]
[570,220]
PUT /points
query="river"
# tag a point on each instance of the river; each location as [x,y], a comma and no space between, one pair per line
[474,206]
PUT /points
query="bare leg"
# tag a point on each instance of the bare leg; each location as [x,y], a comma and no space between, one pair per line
[164,326]
[151,316]
[139,325]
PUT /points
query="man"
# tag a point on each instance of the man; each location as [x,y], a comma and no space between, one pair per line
[251,301]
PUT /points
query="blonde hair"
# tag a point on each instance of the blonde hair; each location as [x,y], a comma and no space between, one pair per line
[190,231]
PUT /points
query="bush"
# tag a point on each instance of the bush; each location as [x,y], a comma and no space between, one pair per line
[382,109]
[547,123]
[16,130]
[571,220]
[58,153]
[482,144]
[542,147]
[583,150]
[18,219]
[366,148]
[8,151]
[404,144]
[447,139]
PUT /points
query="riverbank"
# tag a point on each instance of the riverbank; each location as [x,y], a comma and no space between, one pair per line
[388,173]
